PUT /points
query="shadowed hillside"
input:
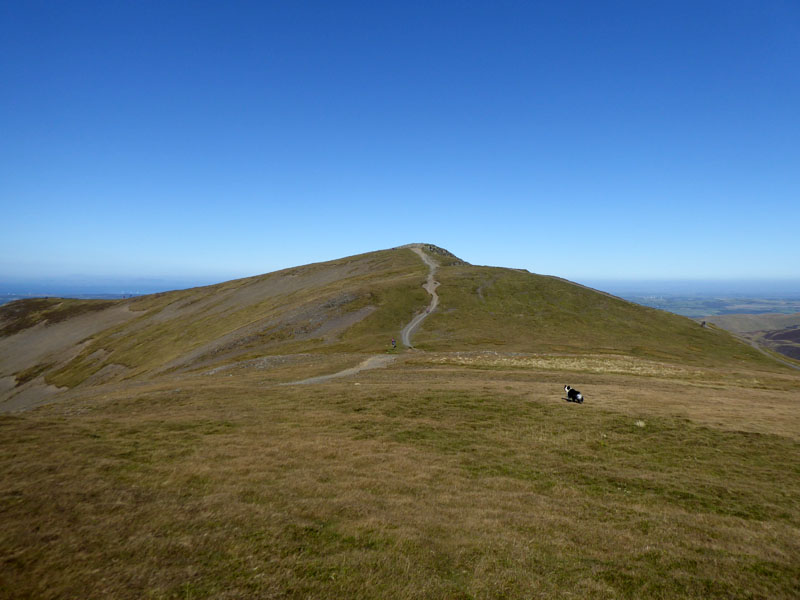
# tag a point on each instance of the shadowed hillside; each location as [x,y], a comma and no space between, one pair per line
[777,332]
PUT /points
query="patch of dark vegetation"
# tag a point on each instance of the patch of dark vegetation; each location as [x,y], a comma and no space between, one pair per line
[784,341]
[76,308]
[30,374]
[22,314]
[791,334]
[790,351]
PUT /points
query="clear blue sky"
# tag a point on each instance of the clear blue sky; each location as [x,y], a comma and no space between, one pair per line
[590,140]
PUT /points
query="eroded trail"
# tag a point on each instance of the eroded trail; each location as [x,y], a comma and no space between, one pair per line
[430,287]
[375,362]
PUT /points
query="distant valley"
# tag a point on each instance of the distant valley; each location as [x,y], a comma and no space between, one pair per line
[772,323]
[778,332]
[704,305]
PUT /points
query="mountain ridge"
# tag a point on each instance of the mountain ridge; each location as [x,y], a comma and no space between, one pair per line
[353,305]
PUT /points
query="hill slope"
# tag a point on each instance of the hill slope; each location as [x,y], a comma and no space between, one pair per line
[65,343]
[178,465]
[519,311]
[352,305]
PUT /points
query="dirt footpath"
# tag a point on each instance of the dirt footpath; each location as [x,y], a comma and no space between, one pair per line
[430,287]
[375,362]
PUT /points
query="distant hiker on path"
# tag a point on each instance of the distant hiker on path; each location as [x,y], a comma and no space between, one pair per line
[394,344]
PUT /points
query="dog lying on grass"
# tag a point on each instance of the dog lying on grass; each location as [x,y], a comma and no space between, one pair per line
[573,395]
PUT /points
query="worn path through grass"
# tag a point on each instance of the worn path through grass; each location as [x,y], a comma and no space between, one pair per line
[375,362]
[430,286]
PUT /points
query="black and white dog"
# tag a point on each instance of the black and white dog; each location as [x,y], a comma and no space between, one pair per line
[573,395]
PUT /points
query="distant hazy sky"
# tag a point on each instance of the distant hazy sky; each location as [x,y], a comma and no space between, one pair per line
[590,140]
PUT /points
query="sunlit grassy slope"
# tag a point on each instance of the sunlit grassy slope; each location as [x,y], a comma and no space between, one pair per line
[304,309]
[512,310]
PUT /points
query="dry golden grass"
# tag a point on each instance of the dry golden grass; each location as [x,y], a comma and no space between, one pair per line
[744,399]
[627,365]
[427,480]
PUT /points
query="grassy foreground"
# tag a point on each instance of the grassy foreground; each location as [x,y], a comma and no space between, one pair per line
[440,477]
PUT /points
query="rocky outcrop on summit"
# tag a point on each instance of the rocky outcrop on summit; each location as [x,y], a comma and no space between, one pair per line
[445,258]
